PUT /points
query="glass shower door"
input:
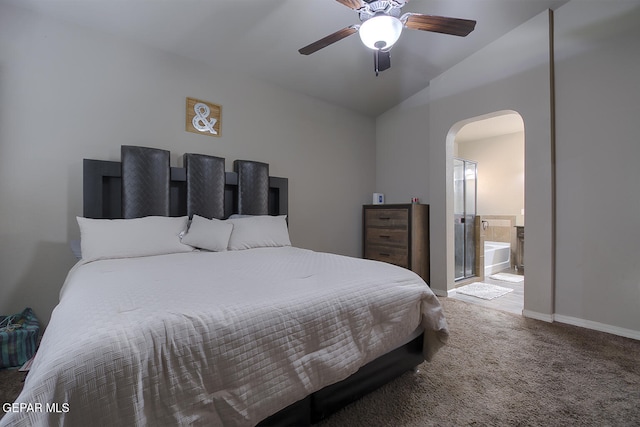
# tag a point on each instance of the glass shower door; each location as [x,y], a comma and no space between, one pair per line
[464,211]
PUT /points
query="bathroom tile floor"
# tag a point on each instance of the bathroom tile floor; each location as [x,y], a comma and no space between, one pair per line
[513,302]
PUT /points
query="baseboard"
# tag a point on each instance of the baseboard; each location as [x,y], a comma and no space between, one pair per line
[588,324]
[538,316]
[597,326]
[440,293]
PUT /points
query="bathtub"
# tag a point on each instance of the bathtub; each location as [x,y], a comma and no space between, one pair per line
[497,257]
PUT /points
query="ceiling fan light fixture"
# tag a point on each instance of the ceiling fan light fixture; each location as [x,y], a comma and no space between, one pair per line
[380,31]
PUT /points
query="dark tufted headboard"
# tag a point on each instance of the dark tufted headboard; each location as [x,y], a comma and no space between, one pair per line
[144,184]
[145,181]
[205,185]
[253,187]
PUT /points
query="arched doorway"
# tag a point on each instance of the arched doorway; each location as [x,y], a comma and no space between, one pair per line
[488,208]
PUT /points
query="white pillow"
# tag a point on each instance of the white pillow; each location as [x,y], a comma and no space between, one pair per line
[259,231]
[126,238]
[209,234]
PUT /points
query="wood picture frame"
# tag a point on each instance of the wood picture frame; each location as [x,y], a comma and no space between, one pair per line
[203,117]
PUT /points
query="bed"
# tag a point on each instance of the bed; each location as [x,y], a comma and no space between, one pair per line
[151,330]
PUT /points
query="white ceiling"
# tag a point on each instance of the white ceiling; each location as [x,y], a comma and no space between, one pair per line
[261,38]
[490,127]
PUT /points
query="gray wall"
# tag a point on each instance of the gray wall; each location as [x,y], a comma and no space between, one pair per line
[68,93]
[598,153]
[597,246]
[402,150]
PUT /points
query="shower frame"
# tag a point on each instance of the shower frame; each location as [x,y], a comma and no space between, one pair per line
[465,190]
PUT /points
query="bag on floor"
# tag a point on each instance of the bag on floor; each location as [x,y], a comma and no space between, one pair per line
[18,338]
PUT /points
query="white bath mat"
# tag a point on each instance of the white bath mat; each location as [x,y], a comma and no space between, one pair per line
[483,290]
[507,277]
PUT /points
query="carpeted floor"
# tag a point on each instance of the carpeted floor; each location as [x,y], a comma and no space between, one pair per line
[10,385]
[499,369]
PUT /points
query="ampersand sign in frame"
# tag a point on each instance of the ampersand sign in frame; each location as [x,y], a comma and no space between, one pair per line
[203,117]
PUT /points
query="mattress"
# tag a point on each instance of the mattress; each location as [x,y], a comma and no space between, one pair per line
[214,339]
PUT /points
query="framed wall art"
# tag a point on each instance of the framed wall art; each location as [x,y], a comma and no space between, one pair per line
[203,117]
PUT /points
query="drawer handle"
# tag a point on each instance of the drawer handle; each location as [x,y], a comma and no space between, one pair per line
[385,217]
[384,236]
[384,254]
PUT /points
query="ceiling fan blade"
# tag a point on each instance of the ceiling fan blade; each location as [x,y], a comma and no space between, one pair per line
[439,24]
[330,39]
[353,4]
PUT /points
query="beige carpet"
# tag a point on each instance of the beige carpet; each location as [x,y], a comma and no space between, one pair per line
[499,369]
[10,385]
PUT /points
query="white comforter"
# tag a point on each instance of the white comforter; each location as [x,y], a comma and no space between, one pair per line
[214,339]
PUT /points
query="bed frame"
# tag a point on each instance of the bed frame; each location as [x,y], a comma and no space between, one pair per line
[143,184]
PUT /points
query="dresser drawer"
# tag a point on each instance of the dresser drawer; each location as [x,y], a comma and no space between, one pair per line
[387,237]
[397,256]
[387,218]
[397,234]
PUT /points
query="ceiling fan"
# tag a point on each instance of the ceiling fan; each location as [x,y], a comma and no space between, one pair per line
[382,24]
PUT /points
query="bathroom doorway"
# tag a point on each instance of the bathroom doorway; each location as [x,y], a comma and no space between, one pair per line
[489,152]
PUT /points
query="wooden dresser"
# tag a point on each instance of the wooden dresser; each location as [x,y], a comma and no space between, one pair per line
[397,234]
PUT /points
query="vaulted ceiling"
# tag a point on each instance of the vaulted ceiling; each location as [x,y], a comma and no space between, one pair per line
[261,38]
